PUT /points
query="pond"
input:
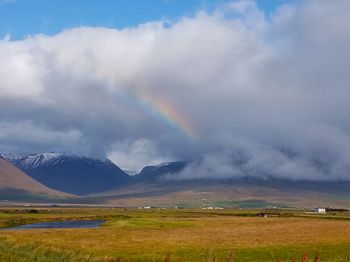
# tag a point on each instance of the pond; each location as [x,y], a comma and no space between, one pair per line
[61,224]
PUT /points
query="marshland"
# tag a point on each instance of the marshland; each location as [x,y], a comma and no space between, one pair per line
[175,235]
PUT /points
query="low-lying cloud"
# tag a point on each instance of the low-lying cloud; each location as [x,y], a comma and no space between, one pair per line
[266,94]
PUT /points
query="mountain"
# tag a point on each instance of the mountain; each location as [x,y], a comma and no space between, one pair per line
[103,182]
[13,182]
[230,193]
[158,173]
[70,173]
[153,186]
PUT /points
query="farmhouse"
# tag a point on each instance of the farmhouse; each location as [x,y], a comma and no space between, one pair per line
[320,210]
[208,207]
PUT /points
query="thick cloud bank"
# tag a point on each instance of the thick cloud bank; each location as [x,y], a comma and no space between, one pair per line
[263,94]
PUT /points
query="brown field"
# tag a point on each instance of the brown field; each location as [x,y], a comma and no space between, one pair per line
[192,235]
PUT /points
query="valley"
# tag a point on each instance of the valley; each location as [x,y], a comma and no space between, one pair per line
[73,179]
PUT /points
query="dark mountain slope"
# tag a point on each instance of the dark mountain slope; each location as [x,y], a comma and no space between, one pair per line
[13,182]
[158,173]
[71,173]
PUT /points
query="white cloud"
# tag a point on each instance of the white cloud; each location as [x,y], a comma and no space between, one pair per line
[267,96]
[133,156]
[21,71]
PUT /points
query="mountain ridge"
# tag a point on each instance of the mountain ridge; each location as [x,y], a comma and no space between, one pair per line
[70,173]
[159,172]
[12,179]
[155,183]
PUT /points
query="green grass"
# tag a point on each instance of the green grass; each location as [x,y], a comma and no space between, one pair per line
[10,251]
[331,253]
[186,235]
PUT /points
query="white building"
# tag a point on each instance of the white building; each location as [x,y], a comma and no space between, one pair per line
[208,207]
[320,210]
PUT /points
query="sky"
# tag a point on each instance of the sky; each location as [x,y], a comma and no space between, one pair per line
[21,18]
[238,88]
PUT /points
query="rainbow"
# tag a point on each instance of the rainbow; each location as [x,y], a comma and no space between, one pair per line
[162,110]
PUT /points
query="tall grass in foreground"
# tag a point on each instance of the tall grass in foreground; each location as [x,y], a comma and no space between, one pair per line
[304,259]
[11,252]
[230,258]
[31,252]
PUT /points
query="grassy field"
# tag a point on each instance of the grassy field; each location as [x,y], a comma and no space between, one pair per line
[182,235]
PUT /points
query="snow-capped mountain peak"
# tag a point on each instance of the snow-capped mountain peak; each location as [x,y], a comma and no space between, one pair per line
[31,161]
[76,174]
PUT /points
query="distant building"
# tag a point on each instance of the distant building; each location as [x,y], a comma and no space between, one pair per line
[320,210]
[211,207]
[146,207]
[208,207]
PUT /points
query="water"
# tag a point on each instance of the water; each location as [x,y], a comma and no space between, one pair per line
[61,224]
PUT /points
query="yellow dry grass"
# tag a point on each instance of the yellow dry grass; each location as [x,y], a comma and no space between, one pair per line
[150,235]
[146,235]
